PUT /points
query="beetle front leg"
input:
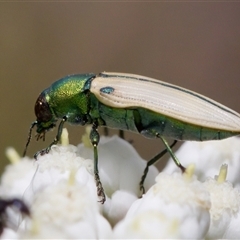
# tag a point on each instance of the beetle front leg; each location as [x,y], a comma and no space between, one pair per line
[55,141]
[94,138]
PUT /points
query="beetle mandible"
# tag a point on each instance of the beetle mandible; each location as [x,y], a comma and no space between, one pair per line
[153,108]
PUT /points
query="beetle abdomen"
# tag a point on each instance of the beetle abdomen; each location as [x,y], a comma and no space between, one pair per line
[153,124]
[150,124]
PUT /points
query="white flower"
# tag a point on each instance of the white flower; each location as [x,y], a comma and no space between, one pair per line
[175,207]
[208,156]
[225,208]
[67,210]
[17,175]
[120,169]
[9,234]
[118,163]
[61,192]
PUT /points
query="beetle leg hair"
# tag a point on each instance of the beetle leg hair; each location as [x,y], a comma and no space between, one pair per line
[94,138]
[55,141]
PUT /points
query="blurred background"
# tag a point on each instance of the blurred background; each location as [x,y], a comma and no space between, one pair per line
[194,45]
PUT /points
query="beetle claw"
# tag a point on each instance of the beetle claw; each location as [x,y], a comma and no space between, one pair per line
[41,152]
[142,191]
[101,195]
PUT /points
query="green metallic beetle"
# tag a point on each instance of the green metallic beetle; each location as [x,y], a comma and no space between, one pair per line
[136,103]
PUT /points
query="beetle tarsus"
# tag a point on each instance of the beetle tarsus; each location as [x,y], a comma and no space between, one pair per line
[141,184]
[183,169]
[142,189]
[42,152]
[100,190]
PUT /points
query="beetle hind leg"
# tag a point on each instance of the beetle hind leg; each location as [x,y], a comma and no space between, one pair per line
[151,133]
[151,162]
[106,132]
[175,159]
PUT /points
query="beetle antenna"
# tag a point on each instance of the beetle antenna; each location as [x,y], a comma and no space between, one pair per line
[29,137]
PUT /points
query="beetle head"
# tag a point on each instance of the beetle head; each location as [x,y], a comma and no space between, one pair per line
[45,119]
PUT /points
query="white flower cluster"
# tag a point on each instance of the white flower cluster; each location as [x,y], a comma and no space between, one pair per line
[60,190]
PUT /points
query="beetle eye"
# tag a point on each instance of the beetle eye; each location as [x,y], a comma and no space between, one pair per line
[42,110]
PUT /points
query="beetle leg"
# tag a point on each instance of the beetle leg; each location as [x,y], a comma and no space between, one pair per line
[105,131]
[151,162]
[55,141]
[175,159]
[29,137]
[120,132]
[94,138]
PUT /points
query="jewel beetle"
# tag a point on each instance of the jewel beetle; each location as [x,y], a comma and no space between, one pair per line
[144,105]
